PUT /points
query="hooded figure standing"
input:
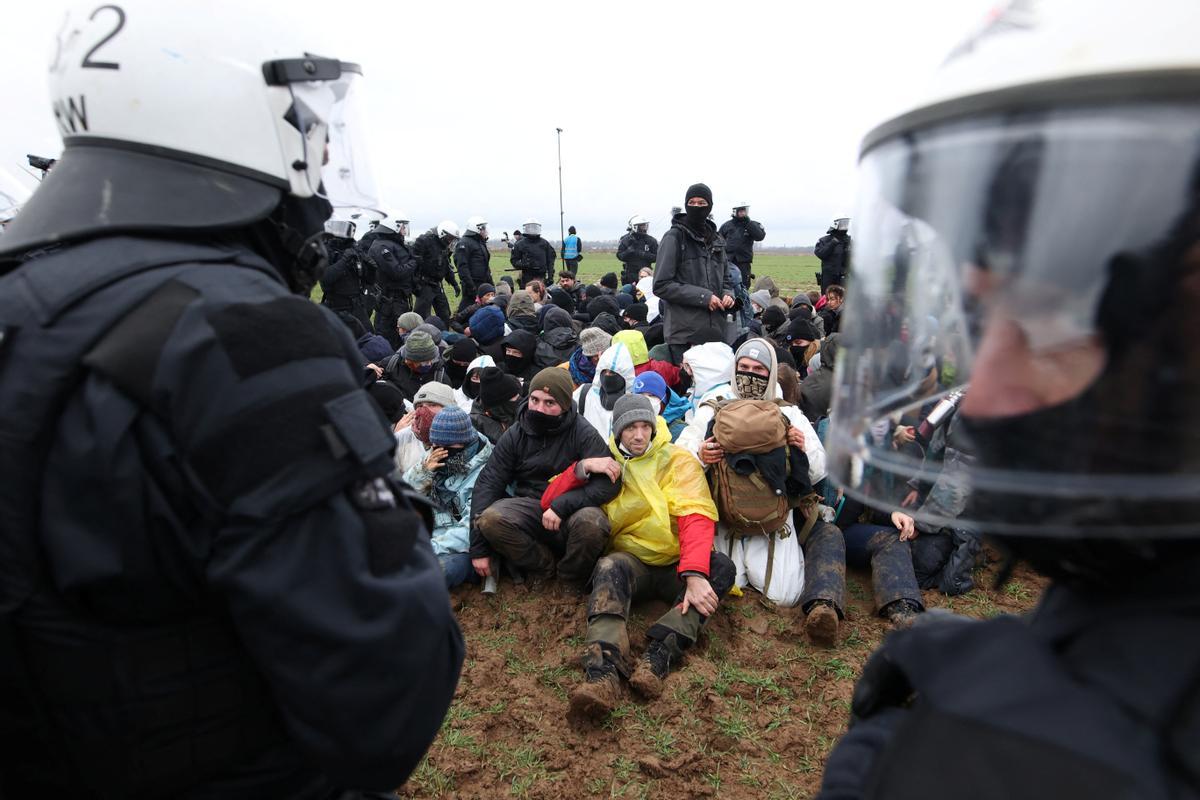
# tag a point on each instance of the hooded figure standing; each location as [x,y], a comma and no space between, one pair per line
[614,379]
[692,281]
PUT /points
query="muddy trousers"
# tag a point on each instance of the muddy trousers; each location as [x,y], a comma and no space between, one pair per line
[619,580]
[874,546]
[513,527]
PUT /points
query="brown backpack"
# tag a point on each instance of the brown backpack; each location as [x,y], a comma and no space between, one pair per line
[746,503]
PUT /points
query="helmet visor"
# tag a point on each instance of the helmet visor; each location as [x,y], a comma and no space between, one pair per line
[1036,276]
[328,116]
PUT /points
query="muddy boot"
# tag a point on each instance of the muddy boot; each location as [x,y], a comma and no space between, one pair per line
[822,624]
[901,614]
[596,697]
[655,663]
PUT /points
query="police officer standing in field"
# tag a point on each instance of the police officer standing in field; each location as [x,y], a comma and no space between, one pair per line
[834,251]
[396,267]
[209,585]
[1072,206]
[472,260]
[636,250]
[348,283]
[533,255]
[432,249]
[740,233]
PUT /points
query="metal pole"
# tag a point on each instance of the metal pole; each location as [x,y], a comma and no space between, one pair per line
[562,234]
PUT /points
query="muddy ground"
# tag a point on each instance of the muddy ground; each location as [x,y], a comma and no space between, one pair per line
[752,713]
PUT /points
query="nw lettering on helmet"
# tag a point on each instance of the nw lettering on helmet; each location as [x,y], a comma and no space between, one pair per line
[71,118]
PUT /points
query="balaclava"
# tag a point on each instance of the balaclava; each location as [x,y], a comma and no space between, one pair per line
[697,216]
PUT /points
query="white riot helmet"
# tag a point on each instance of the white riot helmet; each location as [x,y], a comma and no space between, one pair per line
[639,224]
[395,222]
[531,227]
[841,224]
[478,225]
[1008,228]
[739,206]
[213,110]
[447,229]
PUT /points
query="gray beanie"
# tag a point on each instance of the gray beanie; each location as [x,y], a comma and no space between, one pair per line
[762,298]
[409,320]
[419,347]
[756,349]
[594,341]
[631,408]
[432,330]
[434,392]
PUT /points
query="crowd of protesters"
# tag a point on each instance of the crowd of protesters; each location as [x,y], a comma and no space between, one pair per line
[656,435]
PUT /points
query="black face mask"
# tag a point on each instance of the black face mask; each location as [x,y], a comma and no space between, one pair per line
[457,373]
[612,384]
[504,412]
[539,422]
[685,383]
[470,389]
[514,363]
[696,217]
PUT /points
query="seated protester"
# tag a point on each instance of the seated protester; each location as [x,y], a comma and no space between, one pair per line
[458,360]
[406,323]
[789,385]
[644,293]
[582,363]
[537,291]
[607,323]
[614,379]
[412,431]
[547,438]
[496,408]
[435,333]
[642,362]
[568,284]
[624,299]
[774,324]
[816,392]
[661,548]
[563,299]
[768,283]
[586,295]
[558,340]
[485,293]
[389,399]
[488,330]
[466,395]
[706,372]
[760,301]
[804,310]
[447,478]
[419,362]
[802,342]
[519,349]
[505,286]
[604,304]
[609,284]
[375,349]
[668,405]
[522,316]
[634,317]
[832,312]
[754,376]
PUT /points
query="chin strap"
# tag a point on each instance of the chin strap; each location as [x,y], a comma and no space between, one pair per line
[308,258]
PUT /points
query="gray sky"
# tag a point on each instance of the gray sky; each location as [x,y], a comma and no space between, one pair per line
[766,102]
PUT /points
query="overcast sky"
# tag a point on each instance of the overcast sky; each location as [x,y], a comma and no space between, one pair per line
[767,102]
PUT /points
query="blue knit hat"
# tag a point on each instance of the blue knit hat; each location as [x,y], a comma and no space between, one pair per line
[451,426]
[650,382]
[487,324]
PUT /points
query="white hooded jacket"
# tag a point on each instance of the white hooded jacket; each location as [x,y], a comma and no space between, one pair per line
[460,397]
[617,359]
[646,287]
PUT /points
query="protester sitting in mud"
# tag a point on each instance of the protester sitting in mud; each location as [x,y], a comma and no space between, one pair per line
[412,431]
[614,379]
[582,363]
[447,478]
[495,408]
[466,395]
[661,547]
[547,438]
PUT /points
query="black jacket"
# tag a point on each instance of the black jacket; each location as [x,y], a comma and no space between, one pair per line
[216,453]
[433,260]
[473,262]
[396,264]
[555,347]
[834,251]
[534,256]
[637,250]
[396,372]
[346,283]
[816,391]
[690,271]
[491,428]
[740,236]
[528,461]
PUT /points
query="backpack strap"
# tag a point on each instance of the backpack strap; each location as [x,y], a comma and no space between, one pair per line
[810,506]
[583,395]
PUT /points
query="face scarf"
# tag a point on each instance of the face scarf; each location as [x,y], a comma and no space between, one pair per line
[422,422]
[582,369]
[456,374]
[419,368]
[696,217]
[504,413]
[471,388]
[515,364]
[612,389]
[541,423]
[458,461]
[750,386]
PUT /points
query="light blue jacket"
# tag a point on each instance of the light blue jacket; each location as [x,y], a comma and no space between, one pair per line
[451,526]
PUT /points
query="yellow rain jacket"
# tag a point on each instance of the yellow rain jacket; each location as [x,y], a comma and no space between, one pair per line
[659,486]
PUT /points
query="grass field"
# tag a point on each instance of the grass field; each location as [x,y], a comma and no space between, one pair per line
[791,273]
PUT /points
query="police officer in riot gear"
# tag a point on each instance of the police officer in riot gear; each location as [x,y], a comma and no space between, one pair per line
[533,255]
[636,250]
[432,250]
[740,234]
[1038,213]
[834,251]
[472,260]
[396,270]
[348,282]
[209,586]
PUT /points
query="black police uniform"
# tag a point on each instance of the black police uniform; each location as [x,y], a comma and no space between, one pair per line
[209,586]
[474,265]
[396,268]
[834,251]
[740,235]
[534,256]
[1095,694]
[636,251]
[433,267]
[348,284]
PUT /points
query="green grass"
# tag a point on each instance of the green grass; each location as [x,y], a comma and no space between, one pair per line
[791,273]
